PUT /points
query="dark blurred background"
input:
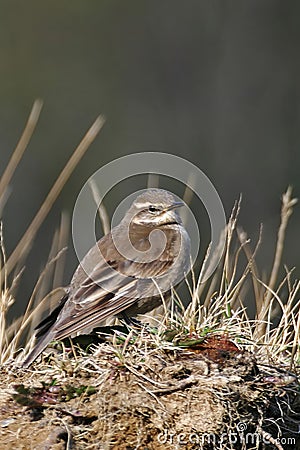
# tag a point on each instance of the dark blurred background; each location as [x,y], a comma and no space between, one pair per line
[216,82]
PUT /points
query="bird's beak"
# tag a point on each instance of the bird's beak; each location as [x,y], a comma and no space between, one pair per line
[175,206]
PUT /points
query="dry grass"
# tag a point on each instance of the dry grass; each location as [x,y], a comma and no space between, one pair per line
[204,376]
[12,335]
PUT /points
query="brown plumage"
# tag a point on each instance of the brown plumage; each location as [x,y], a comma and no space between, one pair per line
[126,280]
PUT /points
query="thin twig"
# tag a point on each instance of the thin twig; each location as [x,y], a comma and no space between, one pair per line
[180,386]
[286,210]
[21,146]
[24,244]
[103,215]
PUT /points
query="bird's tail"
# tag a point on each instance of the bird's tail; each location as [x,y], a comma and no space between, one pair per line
[45,333]
[37,350]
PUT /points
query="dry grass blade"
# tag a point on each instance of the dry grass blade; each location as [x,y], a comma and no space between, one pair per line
[287,209]
[193,307]
[295,353]
[62,242]
[29,315]
[23,246]
[21,147]
[15,332]
[6,299]
[104,218]
[250,255]
[153,180]
[188,195]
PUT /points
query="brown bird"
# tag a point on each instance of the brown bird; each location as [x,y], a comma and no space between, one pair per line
[125,273]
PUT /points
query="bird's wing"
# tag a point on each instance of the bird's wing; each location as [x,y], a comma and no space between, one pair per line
[91,304]
[83,316]
[111,286]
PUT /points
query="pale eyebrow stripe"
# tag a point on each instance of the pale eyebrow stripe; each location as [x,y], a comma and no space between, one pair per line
[143,205]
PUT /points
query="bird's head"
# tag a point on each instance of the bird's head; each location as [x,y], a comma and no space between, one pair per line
[154,208]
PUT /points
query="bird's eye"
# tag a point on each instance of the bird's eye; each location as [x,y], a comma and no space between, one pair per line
[153,210]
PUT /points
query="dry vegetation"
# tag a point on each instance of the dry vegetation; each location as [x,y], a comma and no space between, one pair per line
[202,376]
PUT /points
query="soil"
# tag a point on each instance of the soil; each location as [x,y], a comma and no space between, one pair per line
[133,395]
